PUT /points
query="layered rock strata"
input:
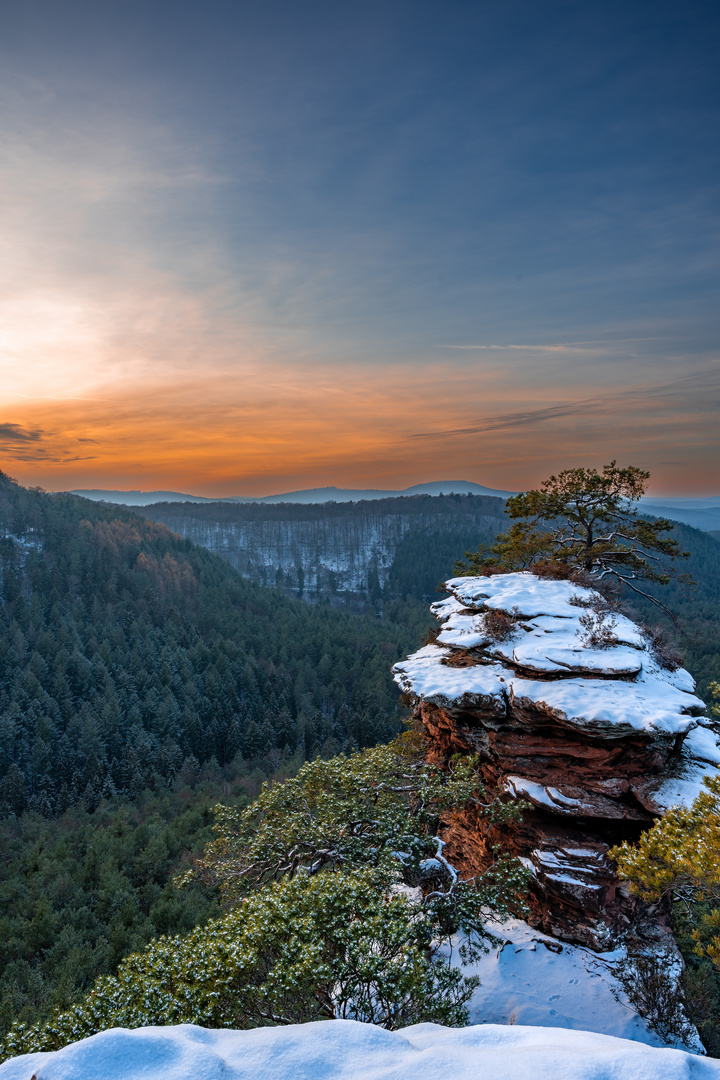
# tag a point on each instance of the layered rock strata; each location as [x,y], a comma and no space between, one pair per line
[568,709]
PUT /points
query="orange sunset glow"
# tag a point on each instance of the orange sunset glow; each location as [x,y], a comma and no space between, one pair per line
[271,428]
[276,295]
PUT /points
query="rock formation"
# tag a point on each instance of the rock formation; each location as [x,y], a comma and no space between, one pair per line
[568,708]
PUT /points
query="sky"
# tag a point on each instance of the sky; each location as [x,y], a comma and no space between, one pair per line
[251,247]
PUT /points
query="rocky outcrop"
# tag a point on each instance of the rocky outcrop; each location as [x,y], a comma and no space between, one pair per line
[568,708]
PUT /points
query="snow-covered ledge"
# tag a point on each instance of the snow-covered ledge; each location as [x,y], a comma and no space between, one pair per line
[547,665]
[568,707]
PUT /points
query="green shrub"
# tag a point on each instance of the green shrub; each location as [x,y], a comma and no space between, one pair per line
[344,907]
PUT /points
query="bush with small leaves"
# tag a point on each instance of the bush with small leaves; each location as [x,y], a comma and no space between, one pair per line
[599,629]
[498,625]
[652,981]
[379,808]
[663,647]
[343,906]
[336,945]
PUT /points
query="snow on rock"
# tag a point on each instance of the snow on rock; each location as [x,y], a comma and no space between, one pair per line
[608,708]
[463,630]
[569,801]
[539,654]
[568,708]
[530,595]
[529,645]
[702,743]
[679,789]
[348,1050]
[425,675]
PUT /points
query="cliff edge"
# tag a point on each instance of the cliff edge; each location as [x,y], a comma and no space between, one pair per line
[569,707]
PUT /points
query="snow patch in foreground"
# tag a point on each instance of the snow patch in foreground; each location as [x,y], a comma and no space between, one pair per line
[348,1050]
[529,978]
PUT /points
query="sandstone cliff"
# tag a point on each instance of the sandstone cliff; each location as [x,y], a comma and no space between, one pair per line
[568,708]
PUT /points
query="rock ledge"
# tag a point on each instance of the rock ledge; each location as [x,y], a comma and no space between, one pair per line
[568,709]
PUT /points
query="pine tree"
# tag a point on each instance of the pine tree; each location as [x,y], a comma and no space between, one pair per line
[583,523]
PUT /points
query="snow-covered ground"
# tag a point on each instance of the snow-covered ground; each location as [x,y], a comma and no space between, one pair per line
[531,979]
[544,1010]
[348,1050]
[334,553]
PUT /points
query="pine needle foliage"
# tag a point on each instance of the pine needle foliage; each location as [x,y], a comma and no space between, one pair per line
[682,847]
[583,523]
[343,906]
[380,808]
[679,858]
[680,855]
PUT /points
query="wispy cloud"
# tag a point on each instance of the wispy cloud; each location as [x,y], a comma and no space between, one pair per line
[51,397]
[512,348]
[523,419]
[708,379]
[14,433]
[565,346]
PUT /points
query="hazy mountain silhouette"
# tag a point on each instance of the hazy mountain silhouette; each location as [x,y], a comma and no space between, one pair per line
[308,495]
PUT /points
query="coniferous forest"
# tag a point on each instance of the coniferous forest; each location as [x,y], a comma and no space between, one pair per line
[129,653]
[142,680]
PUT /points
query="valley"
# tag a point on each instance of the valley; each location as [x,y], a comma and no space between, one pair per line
[350,554]
[158,660]
[367,556]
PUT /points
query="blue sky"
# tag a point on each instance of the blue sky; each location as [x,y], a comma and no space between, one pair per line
[359,244]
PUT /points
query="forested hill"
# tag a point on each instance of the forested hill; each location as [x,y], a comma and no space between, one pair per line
[362,555]
[697,607]
[353,554]
[127,652]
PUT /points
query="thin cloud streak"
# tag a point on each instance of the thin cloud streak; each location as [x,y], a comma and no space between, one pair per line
[566,346]
[54,397]
[501,348]
[510,420]
[581,407]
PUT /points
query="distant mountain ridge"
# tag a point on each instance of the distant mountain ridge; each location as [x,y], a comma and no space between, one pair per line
[308,495]
[701,513]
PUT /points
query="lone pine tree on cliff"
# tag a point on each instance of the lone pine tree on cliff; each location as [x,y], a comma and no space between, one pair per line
[583,524]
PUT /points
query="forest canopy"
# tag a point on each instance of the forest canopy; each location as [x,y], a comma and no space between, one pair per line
[128,654]
[343,905]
